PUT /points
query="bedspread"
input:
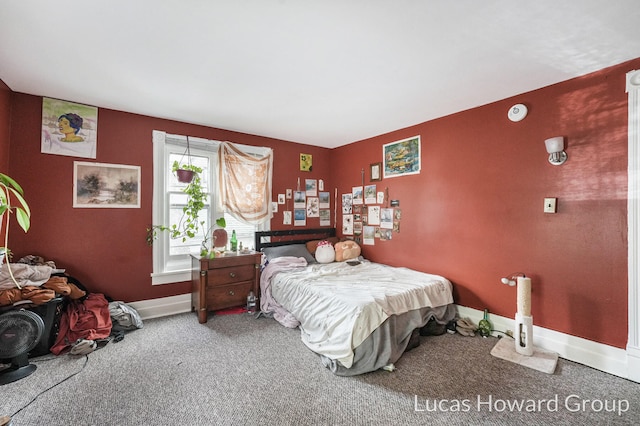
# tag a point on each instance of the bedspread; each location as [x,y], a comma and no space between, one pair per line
[339,305]
[267,302]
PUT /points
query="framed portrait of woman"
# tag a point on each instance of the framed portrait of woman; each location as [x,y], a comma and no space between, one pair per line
[68,128]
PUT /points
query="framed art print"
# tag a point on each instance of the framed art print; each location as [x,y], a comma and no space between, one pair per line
[98,185]
[306,162]
[401,158]
[68,128]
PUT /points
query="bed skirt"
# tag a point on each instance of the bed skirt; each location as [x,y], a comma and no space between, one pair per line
[386,344]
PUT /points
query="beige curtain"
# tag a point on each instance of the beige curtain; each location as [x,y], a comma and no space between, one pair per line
[245,184]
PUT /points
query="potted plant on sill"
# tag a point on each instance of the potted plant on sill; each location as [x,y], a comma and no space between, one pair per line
[174,232]
[220,236]
[12,202]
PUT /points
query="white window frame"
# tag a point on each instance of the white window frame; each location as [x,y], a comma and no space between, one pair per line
[633,224]
[172,269]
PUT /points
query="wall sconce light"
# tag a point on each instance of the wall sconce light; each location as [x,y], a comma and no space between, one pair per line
[555,148]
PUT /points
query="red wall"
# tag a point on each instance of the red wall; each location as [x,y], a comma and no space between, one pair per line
[106,248]
[5,126]
[475,212]
[5,137]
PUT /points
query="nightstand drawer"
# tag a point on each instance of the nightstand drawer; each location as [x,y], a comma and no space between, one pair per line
[234,274]
[220,297]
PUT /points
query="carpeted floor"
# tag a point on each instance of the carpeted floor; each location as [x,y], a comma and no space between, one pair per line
[239,370]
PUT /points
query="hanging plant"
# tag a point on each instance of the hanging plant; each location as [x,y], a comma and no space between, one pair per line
[184,175]
[189,225]
[185,172]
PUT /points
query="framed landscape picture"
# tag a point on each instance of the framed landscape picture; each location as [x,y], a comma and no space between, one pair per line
[401,158]
[99,185]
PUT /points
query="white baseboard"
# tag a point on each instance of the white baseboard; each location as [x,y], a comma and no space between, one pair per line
[633,363]
[596,355]
[163,307]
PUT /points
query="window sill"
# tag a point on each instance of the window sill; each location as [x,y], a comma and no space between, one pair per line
[171,277]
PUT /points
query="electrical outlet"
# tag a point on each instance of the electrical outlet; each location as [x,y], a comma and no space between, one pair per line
[550,205]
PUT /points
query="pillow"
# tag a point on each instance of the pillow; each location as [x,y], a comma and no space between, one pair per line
[295,250]
[325,252]
[346,250]
[313,244]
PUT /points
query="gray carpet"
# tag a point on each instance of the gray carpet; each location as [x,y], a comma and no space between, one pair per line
[239,370]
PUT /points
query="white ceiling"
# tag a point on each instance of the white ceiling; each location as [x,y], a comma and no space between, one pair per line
[319,72]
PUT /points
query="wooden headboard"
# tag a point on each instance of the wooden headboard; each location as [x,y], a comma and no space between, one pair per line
[292,236]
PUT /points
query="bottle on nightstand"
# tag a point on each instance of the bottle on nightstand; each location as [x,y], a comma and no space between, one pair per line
[234,241]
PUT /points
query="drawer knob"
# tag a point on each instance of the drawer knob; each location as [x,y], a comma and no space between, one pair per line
[231,293]
[232,274]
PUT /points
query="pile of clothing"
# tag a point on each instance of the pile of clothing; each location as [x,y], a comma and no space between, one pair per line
[31,280]
[91,323]
[88,321]
[39,295]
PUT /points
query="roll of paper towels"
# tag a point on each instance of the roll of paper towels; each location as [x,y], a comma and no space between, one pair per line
[524,296]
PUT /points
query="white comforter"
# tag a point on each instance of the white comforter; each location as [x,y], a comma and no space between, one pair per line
[339,305]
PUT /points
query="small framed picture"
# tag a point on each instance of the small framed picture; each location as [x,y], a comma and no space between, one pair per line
[375,172]
[306,162]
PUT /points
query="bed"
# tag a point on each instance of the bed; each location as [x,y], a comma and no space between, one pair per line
[357,315]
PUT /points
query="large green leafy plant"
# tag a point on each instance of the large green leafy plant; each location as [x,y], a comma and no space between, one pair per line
[10,190]
[12,202]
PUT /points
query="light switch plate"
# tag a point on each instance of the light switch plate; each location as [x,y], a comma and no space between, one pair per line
[550,205]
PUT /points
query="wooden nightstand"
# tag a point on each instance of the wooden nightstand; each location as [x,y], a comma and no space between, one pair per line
[223,282]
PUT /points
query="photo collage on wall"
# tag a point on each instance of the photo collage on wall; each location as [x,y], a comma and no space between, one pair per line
[365,217]
[368,214]
[308,202]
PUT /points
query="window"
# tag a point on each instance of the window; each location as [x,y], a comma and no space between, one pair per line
[171,257]
[177,199]
[245,233]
